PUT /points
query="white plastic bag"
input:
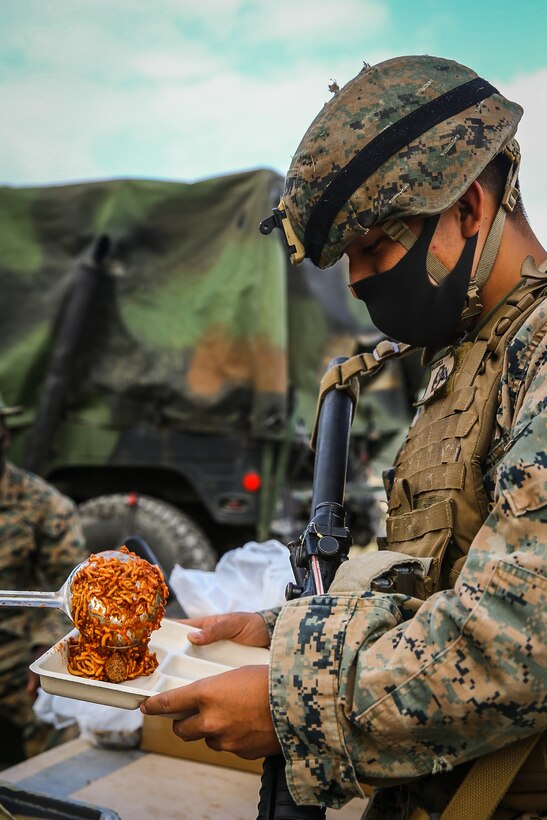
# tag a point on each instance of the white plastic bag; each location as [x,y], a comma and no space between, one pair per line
[99,724]
[248,579]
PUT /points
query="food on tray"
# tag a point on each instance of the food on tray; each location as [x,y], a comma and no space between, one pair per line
[116,605]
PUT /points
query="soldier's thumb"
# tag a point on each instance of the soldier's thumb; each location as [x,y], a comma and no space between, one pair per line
[210,633]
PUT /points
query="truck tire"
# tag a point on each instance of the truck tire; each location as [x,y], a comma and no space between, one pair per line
[171,534]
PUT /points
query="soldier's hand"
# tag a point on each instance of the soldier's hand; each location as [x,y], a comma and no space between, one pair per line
[248,628]
[231,711]
[33,680]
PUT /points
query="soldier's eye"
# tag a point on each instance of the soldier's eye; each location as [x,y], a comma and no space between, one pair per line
[373,246]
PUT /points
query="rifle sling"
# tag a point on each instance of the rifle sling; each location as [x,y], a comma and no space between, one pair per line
[344,376]
[487,781]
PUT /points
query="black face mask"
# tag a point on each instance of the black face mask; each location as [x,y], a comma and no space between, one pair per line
[404,304]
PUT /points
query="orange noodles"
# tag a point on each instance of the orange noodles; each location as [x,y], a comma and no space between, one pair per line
[116,605]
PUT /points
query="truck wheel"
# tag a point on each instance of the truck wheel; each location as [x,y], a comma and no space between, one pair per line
[171,534]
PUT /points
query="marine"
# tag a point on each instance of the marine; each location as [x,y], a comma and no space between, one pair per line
[41,541]
[435,699]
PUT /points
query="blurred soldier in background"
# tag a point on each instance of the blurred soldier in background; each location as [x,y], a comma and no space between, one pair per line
[41,540]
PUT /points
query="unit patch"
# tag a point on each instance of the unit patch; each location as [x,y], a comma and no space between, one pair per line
[441,370]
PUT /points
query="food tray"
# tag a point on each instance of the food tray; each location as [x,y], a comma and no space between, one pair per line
[180,662]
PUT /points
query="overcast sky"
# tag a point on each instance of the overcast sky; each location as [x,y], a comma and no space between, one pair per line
[186,89]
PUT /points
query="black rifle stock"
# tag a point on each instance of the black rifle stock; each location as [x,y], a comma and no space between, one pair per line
[315,557]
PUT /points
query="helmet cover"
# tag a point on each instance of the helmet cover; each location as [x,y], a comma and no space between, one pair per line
[405,137]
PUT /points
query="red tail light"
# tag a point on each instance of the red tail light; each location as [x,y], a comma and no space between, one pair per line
[251,482]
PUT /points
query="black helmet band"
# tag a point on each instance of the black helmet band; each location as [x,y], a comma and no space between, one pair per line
[379,150]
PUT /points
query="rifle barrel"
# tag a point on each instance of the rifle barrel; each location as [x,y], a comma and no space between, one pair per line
[329,483]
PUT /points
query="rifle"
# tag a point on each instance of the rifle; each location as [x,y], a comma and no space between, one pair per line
[315,557]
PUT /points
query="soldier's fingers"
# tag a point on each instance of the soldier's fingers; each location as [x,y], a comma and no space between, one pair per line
[213,629]
[215,743]
[189,729]
[33,681]
[192,621]
[172,702]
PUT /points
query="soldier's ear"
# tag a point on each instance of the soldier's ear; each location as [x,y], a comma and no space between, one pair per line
[471,207]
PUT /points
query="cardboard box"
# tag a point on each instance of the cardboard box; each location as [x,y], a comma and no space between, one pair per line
[158,736]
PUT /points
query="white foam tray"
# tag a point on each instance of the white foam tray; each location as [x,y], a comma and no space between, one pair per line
[180,663]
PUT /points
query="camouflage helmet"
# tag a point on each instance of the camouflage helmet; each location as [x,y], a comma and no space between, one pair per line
[404,137]
[5,410]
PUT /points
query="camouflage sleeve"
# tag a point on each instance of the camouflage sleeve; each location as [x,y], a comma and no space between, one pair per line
[270,617]
[358,694]
[60,545]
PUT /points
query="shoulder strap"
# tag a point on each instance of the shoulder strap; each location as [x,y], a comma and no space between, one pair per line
[344,376]
[485,784]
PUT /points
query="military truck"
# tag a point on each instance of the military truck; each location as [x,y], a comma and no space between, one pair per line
[168,359]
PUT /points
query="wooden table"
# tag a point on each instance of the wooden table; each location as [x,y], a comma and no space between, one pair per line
[142,785]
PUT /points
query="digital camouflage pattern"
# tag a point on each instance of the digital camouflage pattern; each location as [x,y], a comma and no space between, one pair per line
[364,690]
[425,177]
[270,618]
[202,329]
[41,541]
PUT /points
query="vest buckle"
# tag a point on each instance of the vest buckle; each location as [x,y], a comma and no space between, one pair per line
[384,349]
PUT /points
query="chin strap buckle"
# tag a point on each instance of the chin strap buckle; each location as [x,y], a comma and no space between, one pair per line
[511,192]
[399,232]
[473,304]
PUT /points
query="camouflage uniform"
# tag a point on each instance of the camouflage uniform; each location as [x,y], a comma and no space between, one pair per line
[41,540]
[382,688]
[364,689]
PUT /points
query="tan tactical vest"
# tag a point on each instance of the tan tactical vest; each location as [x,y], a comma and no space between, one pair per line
[438,501]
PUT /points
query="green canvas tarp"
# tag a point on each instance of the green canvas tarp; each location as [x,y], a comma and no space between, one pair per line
[204,326]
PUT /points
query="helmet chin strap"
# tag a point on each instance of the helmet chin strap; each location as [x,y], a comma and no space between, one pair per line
[398,231]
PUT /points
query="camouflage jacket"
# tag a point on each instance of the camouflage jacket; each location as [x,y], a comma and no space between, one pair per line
[364,690]
[41,540]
